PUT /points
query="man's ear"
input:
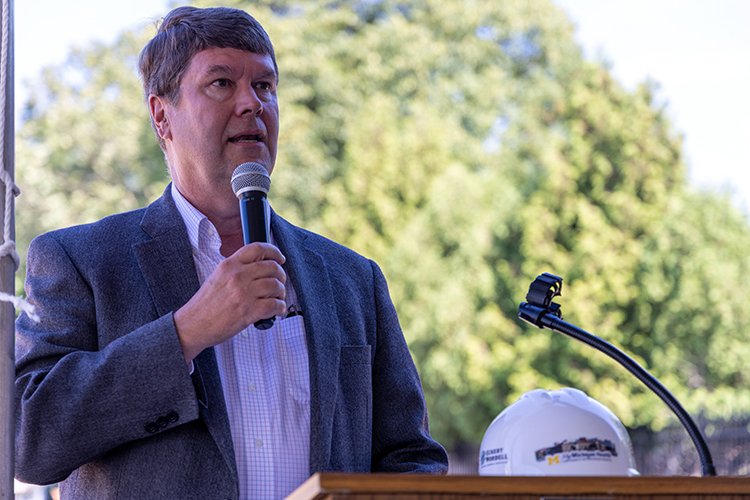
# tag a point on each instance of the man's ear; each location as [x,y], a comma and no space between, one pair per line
[157,108]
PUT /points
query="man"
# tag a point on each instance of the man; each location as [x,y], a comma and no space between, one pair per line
[146,378]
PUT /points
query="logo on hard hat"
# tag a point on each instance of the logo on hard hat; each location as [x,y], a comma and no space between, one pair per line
[580,449]
[493,456]
[539,435]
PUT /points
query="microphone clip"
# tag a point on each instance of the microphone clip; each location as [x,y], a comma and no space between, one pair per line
[539,299]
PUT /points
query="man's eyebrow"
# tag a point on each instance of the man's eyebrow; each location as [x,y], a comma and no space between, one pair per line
[218,69]
[267,74]
[223,69]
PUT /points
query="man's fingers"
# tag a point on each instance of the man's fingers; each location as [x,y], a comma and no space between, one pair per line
[255,252]
[270,307]
[269,288]
[268,269]
[234,273]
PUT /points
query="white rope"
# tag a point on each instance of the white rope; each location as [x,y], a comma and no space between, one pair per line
[8,247]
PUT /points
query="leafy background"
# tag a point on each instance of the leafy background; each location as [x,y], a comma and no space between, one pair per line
[467,146]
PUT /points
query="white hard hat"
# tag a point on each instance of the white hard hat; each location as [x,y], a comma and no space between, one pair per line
[556,433]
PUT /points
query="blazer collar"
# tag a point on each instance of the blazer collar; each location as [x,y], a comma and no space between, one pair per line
[165,258]
[307,270]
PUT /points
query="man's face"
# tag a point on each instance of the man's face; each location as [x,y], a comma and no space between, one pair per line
[226,114]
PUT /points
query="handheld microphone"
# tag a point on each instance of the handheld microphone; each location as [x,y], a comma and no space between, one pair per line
[251,183]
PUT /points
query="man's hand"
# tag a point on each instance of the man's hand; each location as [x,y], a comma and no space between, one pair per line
[244,288]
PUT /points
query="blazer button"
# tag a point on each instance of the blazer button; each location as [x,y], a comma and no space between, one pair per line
[172,417]
[151,427]
[162,422]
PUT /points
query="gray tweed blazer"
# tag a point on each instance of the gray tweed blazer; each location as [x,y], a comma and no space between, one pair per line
[105,405]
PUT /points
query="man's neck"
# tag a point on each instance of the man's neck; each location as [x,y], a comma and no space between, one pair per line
[230,231]
[230,243]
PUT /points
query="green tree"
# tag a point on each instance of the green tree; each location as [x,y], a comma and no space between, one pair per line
[85,146]
[467,147]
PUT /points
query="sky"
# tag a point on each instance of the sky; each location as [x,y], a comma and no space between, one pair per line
[696,50]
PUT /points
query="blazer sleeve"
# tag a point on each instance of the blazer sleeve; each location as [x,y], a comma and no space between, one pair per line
[401,436]
[77,398]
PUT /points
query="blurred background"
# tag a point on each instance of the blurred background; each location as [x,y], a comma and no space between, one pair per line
[468,146]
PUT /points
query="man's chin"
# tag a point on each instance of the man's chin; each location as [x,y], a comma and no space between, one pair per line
[265,162]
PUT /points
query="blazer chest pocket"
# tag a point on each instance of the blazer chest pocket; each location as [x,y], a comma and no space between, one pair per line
[355,355]
[356,377]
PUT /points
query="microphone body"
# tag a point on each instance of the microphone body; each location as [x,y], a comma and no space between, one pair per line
[254,215]
[250,183]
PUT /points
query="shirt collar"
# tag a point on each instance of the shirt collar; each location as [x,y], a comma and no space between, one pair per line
[202,234]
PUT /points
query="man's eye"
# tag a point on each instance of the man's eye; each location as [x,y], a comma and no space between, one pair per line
[264,86]
[221,83]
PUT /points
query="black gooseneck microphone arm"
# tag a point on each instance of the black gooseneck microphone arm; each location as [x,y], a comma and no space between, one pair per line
[540,311]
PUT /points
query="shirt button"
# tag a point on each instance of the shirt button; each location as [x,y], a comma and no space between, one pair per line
[252,387]
[258,443]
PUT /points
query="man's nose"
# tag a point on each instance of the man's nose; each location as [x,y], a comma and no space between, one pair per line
[249,103]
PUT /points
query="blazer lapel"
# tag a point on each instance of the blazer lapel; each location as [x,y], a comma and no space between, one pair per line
[307,272]
[166,261]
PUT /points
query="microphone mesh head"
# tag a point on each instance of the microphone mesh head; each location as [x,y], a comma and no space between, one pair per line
[250,176]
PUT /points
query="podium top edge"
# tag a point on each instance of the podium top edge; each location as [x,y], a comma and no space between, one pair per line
[392,484]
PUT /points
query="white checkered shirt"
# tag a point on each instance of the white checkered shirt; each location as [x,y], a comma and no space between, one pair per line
[266,383]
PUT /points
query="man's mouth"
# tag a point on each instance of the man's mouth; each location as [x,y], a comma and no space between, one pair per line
[246,138]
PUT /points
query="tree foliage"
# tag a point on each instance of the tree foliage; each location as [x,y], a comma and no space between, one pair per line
[85,147]
[467,147]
